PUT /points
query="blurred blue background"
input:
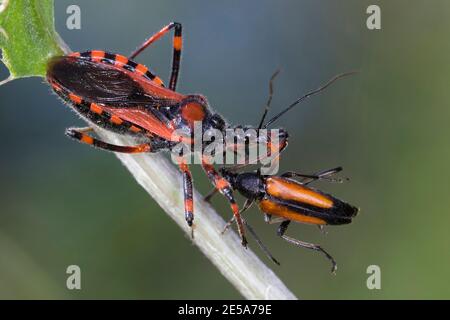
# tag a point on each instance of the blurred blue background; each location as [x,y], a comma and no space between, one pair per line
[63,203]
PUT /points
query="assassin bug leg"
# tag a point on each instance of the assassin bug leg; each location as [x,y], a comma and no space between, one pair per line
[177,45]
[248,203]
[309,94]
[281,232]
[225,189]
[269,100]
[187,188]
[80,135]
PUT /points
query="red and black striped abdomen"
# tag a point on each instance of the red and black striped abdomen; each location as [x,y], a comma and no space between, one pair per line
[296,202]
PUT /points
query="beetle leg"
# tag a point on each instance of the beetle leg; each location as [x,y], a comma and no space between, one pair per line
[177,45]
[210,194]
[321,175]
[248,203]
[268,218]
[281,232]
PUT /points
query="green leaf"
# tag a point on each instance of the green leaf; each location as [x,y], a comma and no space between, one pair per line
[27,36]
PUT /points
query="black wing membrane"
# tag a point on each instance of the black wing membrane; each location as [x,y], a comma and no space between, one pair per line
[100,83]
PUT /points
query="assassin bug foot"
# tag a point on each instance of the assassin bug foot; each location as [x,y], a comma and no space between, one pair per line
[192,232]
[189,218]
[244,242]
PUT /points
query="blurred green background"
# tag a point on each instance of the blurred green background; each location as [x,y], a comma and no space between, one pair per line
[63,203]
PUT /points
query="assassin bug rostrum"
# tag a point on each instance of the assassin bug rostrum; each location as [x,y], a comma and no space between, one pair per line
[114,92]
[283,199]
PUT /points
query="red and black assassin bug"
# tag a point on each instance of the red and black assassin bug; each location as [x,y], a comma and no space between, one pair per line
[283,199]
[116,93]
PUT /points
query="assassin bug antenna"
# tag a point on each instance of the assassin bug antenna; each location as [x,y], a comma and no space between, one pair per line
[309,94]
[269,100]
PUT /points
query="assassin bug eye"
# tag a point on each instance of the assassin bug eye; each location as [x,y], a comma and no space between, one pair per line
[217,122]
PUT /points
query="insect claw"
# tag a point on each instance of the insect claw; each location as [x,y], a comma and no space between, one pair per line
[192,232]
[334,268]
[322,229]
[244,242]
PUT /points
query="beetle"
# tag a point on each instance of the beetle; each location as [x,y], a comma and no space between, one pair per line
[114,92]
[283,200]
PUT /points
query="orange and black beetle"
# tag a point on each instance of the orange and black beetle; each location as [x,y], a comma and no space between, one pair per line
[283,199]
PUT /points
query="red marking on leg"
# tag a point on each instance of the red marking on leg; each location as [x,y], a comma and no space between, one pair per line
[86,139]
[97,55]
[189,205]
[140,68]
[56,86]
[74,98]
[120,60]
[135,129]
[95,108]
[221,183]
[116,120]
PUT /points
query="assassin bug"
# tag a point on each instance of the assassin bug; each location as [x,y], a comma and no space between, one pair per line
[283,199]
[114,92]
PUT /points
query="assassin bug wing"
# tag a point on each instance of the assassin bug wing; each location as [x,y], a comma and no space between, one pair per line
[135,119]
[106,83]
[145,119]
[293,201]
[97,82]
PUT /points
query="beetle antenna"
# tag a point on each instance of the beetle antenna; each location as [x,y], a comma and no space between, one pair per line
[259,242]
[309,94]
